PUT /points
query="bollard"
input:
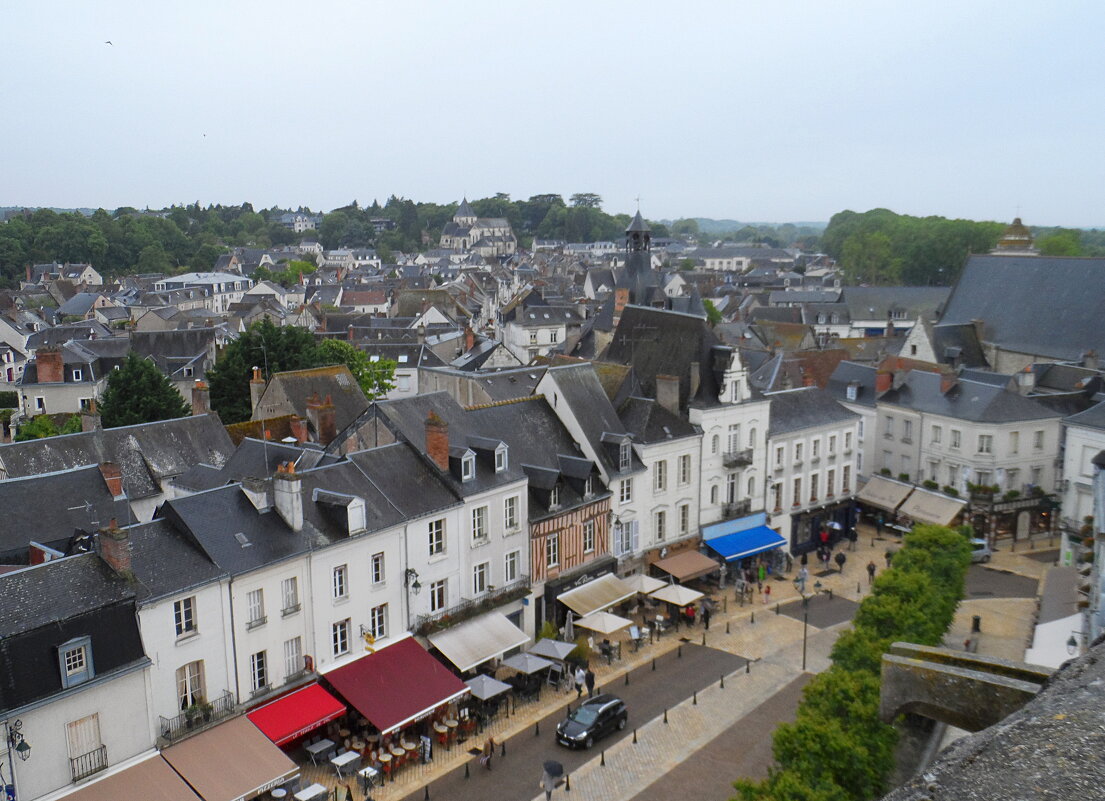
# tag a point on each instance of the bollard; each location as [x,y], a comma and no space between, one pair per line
[627,678]
[976,624]
[694,698]
[725,603]
[747,665]
[654,663]
[568,783]
[634,736]
[723,682]
[830,593]
[426,795]
[502,753]
[537,729]
[776,609]
[665,716]
[753,618]
[858,590]
[467,775]
[703,639]
[679,652]
[602,758]
[726,626]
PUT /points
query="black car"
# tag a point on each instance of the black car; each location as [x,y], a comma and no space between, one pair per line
[595,718]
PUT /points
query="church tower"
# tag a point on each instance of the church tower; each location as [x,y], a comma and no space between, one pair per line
[638,251]
[465,216]
[1016,241]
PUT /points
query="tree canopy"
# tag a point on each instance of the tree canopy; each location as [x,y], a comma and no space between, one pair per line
[275,349]
[43,425]
[138,392]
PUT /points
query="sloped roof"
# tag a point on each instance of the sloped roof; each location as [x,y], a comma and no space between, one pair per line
[1094,417]
[166,562]
[289,392]
[1013,294]
[650,422]
[967,400]
[807,407]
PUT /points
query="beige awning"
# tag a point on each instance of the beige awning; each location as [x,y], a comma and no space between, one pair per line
[884,493]
[149,780]
[677,594]
[230,761]
[688,565]
[932,507]
[475,641]
[642,583]
[603,622]
[601,593]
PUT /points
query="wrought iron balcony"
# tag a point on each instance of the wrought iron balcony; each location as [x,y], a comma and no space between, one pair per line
[197,717]
[737,458]
[470,607]
[736,509]
[86,765]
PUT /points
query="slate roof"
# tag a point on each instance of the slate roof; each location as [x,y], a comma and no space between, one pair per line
[807,407]
[967,400]
[288,393]
[914,301]
[847,372]
[165,562]
[650,422]
[1094,417]
[957,344]
[85,599]
[148,454]
[78,500]
[405,478]
[1017,298]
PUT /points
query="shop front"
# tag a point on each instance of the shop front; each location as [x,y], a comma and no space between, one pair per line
[824,525]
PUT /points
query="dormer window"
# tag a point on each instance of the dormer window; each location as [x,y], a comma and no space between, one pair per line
[554,497]
[625,456]
[589,487]
[75,661]
[500,459]
[467,467]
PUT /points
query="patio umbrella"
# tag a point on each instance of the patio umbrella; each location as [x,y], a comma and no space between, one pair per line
[644,584]
[484,687]
[677,594]
[554,769]
[527,663]
[835,525]
[553,649]
[603,622]
[569,630]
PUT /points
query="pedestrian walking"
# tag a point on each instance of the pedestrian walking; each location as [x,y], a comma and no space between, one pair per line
[790,562]
[889,556]
[488,752]
[548,784]
[871,571]
[706,617]
[581,680]
[761,574]
[803,577]
[767,595]
[589,680]
[840,560]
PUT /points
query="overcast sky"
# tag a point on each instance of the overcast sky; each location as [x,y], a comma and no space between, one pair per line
[758,111]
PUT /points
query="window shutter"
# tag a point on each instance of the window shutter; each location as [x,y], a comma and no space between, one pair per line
[634,531]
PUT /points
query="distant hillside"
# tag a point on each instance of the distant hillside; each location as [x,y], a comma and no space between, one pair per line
[710,226]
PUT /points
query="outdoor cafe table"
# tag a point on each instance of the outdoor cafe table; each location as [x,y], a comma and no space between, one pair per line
[341,760]
[318,749]
[308,793]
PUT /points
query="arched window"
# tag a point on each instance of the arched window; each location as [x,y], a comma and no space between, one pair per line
[714,443]
[751,486]
[751,438]
[713,494]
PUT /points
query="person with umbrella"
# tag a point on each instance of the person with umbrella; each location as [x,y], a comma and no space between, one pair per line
[550,777]
[840,560]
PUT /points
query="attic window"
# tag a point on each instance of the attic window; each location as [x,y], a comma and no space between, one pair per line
[589,487]
[624,456]
[500,459]
[467,467]
[554,497]
[852,392]
[343,380]
[375,358]
[189,372]
[75,661]
[403,358]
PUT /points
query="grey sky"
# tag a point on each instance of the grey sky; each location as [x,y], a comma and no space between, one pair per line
[770,110]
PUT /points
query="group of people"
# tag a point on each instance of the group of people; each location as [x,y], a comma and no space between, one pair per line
[584,679]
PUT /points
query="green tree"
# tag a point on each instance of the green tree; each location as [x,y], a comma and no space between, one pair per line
[587,200]
[374,378]
[262,345]
[1063,242]
[713,316]
[43,426]
[139,393]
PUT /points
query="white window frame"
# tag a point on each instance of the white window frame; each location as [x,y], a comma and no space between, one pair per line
[510,512]
[500,459]
[510,566]
[258,672]
[255,608]
[552,549]
[439,595]
[378,621]
[684,470]
[289,593]
[660,524]
[479,524]
[435,531]
[625,491]
[467,468]
[339,637]
[340,583]
[379,565]
[184,616]
[660,476]
[588,536]
[985,443]
[293,657]
[190,684]
[625,456]
[684,518]
[481,574]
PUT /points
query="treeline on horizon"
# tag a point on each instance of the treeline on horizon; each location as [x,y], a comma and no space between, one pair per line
[877,246]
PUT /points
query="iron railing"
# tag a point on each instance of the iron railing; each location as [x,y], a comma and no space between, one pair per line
[197,717]
[741,458]
[85,765]
[471,607]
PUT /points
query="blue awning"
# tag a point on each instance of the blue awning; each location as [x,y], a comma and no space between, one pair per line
[750,542]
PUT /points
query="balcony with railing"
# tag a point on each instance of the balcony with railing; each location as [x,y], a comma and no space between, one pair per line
[470,607]
[196,717]
[736,509]
[88,764]
[742,458]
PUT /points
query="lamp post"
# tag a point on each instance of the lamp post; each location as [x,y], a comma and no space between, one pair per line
[17,744]
[806,616]
[1073,642]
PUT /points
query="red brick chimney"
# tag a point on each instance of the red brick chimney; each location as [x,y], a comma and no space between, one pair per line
[298,428]
[115,547]
[327,422]
[28,273]
[256,388]
[201,398]
[437,440]
[947,381]
[469,338]
[621,299]
[113,477]
[51,369]
[884,380]
[807,378]
[349,333]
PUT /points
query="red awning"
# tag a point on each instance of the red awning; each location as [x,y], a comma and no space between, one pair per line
[296,714]
[396,685]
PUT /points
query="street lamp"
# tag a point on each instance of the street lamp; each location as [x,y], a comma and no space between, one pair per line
[1072,642]
[806,616]
[410,579]
[17,742]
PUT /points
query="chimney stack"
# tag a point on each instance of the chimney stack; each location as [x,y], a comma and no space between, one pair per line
[884,380]
[288,495]
[113,477]
[807,377]
[667,392]
[323,417]
[469,338]
[90,417]
[201,398]
[298,427]
[115,548]
[28,273]
[1026,380]
[948,379]
[51,369]
[349,333]
[621,300]
[437,440]
[256,389]
[1090,360]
